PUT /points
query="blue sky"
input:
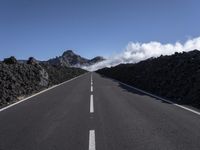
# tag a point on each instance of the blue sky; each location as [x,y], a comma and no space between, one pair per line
[45,28]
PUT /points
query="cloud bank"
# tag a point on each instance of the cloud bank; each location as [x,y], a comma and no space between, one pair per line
[135,52]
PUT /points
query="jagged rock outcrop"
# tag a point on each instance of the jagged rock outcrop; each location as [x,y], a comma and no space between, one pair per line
[68,58]
[11,60]
[32,61]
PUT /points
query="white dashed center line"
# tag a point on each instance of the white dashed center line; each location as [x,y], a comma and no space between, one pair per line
[91,104]
[92,145]
[91,88]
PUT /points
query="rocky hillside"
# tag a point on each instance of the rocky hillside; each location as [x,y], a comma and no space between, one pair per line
[22,79]
[176,77]
[69,58]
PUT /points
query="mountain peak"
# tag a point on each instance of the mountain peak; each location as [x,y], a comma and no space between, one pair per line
[69,58]
[68,52]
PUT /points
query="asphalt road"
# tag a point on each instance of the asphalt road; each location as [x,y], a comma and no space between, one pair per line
[97,113]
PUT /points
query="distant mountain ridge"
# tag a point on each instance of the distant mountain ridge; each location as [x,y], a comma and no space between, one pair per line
[69,58]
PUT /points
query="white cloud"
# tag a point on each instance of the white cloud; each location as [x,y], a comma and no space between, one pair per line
[135,52]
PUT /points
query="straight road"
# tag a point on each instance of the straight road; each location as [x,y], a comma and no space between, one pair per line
[96,113]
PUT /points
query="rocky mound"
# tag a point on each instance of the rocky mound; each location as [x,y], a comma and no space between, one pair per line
[176,77]
[22,79]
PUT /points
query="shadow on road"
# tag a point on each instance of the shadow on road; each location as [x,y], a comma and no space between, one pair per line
[133,91]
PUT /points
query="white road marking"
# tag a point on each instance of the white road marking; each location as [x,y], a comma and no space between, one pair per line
[168,101]
[92,145]
[91,88]
[91,79]
[2,109]
[91,104]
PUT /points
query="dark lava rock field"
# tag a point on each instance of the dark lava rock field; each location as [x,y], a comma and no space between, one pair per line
[18,80]
[175,77]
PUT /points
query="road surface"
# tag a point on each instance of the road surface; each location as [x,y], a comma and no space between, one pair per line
[96,113]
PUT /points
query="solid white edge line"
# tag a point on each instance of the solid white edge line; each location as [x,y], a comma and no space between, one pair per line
[168,101]
[91,104]
[20,101]
[92,145]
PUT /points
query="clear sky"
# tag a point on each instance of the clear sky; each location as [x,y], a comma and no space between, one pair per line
[45,28]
